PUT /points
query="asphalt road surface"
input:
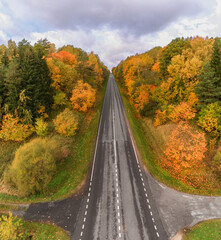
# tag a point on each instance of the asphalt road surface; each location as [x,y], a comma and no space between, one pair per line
[119,200]
[118,203]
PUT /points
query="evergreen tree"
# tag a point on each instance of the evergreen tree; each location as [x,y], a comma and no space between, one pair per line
[12,85]
[36,78]
[208,89]
[216,57]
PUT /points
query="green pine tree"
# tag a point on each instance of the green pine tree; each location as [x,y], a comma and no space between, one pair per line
[208,89]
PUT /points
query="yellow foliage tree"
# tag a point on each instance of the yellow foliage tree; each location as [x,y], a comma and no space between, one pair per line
[66,123]
[13,129]
[83,96]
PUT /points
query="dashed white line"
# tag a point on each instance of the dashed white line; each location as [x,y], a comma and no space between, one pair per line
[158,234]
[155,227]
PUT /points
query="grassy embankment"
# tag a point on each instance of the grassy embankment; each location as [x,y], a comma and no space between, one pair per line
[72,172]
[208,230]
[151,142]
[40,231]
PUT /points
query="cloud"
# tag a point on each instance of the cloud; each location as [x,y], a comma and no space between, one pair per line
[130,16]
[112,29]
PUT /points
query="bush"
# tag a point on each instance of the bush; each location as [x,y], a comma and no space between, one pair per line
[33,166]
[210,118]
[160,117]
[66,123]
[13,129]
[12,228]
[41,127]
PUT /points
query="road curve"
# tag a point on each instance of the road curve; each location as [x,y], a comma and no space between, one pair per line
[118,203]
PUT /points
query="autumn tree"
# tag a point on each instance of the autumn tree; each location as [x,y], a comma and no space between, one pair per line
[83,96]
[210,118]
[181,112]
[185,153]
[66,123]
[174,48]
[13,129]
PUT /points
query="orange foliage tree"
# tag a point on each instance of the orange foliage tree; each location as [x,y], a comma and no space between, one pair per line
[181,112]
[65,57]
[185,154]
[83,96]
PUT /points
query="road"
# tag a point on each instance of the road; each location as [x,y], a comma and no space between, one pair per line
[120,200]
[118,203]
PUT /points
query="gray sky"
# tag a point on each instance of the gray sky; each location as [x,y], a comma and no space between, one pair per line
[112,28]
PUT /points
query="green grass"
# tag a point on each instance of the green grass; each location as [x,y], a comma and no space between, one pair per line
[145,143]
[73,171]
[42,231]
[208,230]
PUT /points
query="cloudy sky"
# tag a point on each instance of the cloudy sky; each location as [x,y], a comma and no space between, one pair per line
[113,29]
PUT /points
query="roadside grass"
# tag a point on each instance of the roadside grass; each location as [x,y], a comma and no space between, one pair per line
[208,230]
[147,142]
[43,231]
[73,170]
[40,231]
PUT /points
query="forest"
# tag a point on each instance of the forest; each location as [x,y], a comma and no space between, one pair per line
[48,100]
[177,90]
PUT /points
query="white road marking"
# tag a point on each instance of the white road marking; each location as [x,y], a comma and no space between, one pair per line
[155,227]
[158,234]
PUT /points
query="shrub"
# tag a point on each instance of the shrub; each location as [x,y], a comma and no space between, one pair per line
[83,96]
[209,118]
[160,117]
[60,100]
[33,166]
[13,129]
[66,123]
[12,228]
[41,127]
